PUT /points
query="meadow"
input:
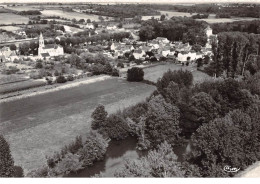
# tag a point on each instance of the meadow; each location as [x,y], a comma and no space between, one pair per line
[41,124]
[10,28]
[156,72]
[10,18]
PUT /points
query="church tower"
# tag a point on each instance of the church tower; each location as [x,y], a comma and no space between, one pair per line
[41,44]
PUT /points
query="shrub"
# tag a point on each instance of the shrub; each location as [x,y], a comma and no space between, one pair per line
[6,160]
[135,74]
[121,65]
[115,73]
[38,65]
[70,78]
[61,79]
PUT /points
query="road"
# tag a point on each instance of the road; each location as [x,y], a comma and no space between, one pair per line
[39,125]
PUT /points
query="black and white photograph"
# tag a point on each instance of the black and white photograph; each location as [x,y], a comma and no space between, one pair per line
[100,89]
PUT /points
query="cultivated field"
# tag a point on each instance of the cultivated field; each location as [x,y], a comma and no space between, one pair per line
[70,15]
[154,73]
[22,85]
[38,125]
[11,78]
[10,18]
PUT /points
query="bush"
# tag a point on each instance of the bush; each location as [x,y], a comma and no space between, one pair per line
[38,65]
[115,73]
[61,79]
[70,78]
[135,74]
[121,65]
[6,160]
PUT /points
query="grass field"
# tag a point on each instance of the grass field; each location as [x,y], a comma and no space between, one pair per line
[69,15]
[39,125]
[10,18]
[154,73]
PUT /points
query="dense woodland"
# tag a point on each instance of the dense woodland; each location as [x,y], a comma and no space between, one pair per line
[241,26]
[121,10]
[176,29]
[238,10]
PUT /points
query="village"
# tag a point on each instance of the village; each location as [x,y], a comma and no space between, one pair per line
[48,61]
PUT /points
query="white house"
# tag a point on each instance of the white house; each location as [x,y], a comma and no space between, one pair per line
[138,54]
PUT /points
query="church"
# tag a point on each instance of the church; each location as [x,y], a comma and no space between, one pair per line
[48,50]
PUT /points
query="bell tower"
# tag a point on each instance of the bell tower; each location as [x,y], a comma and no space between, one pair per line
[41,41]
[41,45]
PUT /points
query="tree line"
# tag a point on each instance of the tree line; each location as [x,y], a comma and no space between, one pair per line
[233,52]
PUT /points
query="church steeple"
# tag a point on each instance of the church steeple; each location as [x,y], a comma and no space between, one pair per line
[41,41]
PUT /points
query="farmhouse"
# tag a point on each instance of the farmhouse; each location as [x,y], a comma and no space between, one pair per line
[48,50]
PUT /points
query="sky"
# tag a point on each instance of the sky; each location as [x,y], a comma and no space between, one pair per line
[134,1]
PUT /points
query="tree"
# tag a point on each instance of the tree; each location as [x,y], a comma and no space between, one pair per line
[88,21]
[135,74]
[99,117]
[115,127]
[81,20]
[201,109]
[237,137]
[93,149]
[38,65]
[100,18]
[162,121]
[158,163]
[196,47]
[61,79]
[6,160]
[180,77]
[172,93]
[120,25]
[13,47]
[162,18]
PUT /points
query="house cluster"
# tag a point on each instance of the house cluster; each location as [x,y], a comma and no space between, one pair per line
[161,48]
[6,54]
